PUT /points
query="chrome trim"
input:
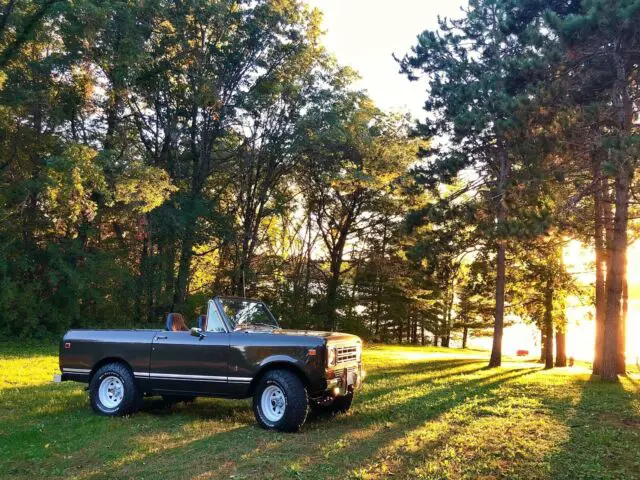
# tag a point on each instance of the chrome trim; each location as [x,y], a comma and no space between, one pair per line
[76,370]
[346,354]
[240,379]
[195,378]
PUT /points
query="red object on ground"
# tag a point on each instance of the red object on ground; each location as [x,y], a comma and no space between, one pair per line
[522,353]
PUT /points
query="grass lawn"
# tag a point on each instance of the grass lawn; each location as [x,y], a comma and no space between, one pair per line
[423,413]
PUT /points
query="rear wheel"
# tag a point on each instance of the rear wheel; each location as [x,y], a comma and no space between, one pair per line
[280,401]
[113,391]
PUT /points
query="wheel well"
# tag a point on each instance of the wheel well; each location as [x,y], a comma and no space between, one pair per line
[278,366]
[107,360]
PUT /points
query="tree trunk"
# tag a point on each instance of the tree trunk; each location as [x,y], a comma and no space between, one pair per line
[184,267]
[150,284]
[543,344]
[496,349]
[465,333]
[113,111]
[613,351]
[378,281]
[622,339]
[446,338]
[307,272]
[141,280]
[615,272]
[561,348]
[335,275]
[253,216]
[548,326]
[332,300]
[378,314]
[601,255]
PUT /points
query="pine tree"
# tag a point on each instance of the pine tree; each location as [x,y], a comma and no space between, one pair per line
[478,73]
[601,42]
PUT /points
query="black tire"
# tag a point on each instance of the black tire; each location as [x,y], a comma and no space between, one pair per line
[173,399]
[296,401]
[335,406]
[131,397]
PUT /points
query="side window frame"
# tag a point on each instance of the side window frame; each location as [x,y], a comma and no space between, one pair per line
[212,308]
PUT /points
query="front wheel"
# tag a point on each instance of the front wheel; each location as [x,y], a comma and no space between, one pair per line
[280,401]
[113,391]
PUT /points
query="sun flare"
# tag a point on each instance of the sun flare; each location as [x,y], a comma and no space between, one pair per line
[581,317]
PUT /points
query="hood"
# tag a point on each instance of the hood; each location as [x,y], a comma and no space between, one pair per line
[330,337]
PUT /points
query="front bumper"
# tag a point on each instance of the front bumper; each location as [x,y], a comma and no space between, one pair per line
[343,379]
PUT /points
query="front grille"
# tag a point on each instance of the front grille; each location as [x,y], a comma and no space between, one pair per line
[346,354]
[339,373]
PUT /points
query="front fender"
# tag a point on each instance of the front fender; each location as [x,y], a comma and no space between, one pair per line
[279,358]
[251,361]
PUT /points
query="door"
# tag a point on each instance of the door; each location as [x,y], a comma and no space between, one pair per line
[181,362]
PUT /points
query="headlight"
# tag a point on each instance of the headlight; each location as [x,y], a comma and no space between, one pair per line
[331,356]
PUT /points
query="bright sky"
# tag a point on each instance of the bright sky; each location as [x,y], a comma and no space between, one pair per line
[364,34]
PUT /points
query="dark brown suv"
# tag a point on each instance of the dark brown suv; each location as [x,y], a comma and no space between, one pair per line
[237,350]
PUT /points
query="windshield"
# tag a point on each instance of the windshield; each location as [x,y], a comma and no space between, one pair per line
[247,313]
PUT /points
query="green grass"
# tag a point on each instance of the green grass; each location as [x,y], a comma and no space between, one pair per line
[423,413]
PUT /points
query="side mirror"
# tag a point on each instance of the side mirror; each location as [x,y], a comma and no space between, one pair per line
[197,332]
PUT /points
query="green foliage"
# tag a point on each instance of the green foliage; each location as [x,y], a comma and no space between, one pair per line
[154,154]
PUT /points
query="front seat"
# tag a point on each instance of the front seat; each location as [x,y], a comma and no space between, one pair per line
[168,326]
[201,323]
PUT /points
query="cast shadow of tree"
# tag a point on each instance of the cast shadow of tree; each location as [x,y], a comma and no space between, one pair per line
[217,437]
[326,446]
[604,425]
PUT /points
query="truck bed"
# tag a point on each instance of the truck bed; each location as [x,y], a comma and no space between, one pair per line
[84,350]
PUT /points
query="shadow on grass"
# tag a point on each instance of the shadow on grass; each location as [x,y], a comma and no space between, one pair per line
[412,413]
[425,374]
[604,428]
[49,430]
[327,447]
[440,365]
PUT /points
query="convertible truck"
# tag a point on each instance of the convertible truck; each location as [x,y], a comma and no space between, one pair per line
[237,350]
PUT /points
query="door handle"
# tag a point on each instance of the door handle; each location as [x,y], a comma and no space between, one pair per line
[164,337]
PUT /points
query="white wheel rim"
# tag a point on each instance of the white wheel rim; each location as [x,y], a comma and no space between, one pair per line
[273,403]
[111,392]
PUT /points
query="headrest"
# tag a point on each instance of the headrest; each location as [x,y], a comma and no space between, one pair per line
[201,323]
[169,324]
